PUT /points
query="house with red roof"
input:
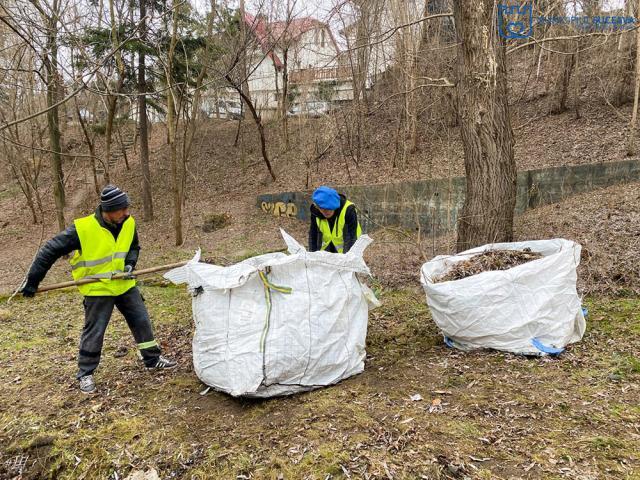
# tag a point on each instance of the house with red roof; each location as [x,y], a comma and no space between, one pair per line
[303,47]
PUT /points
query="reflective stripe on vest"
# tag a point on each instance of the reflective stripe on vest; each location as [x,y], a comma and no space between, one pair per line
[336,236]
[101,256]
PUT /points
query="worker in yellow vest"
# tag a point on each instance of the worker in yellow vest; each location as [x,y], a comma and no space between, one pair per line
[105,243]
[334,222]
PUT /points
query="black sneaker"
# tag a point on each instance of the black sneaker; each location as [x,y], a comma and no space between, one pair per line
[87,385]
[163,363]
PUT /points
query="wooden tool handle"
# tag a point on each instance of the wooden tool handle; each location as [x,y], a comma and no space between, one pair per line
[118,276]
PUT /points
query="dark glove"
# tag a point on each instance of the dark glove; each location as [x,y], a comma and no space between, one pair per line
[128,272]
[28,291]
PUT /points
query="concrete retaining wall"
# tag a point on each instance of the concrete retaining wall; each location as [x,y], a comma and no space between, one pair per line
[435,204]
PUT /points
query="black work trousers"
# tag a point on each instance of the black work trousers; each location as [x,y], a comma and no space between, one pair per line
[97,313]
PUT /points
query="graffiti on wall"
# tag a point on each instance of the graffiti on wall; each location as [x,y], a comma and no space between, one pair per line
[280,209]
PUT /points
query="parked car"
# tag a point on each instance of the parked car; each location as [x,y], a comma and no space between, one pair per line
[296,110]
[232,109]
[311,109]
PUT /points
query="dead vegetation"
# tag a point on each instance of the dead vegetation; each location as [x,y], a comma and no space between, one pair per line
[488,261]
[215,221]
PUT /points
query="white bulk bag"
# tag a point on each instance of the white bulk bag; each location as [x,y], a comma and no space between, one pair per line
[533,308]
[277,324]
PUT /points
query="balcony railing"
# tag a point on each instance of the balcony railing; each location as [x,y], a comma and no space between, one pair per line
[310,75]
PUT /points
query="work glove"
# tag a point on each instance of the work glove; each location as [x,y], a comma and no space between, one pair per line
[28,291]
[128,272]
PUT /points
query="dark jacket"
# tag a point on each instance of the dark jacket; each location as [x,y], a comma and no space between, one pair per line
[66,242]
[350,227]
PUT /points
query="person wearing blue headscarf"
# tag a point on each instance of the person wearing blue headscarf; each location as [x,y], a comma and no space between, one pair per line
[334,222]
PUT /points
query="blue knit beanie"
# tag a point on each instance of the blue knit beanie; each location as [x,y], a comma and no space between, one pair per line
[326,198]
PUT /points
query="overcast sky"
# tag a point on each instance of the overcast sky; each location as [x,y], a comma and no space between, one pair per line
[337,12]
[334,12]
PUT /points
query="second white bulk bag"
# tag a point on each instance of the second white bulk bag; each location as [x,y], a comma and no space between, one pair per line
[533,308]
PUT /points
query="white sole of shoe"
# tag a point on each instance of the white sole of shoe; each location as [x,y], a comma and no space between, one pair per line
[161,368]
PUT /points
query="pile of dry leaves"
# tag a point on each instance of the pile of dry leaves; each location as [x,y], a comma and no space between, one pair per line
[488,261]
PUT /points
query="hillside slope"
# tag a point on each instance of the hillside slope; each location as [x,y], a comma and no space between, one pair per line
[223,178]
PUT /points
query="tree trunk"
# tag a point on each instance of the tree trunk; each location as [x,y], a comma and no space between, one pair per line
[92,150]
[363,34]
[112,103]
[258,121]
[171,133]
[563,80]
[51,66]
[576,81]
[359,67]
[26,186]
[147,198]
[285,93]
[487,137]
[22,174]
[406,55]
[624,65]
[238,126]
[631,143]
[123,147]
[112,99]
[243,54]
[197,96]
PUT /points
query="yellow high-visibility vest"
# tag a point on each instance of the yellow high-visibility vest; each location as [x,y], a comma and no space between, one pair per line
[336,236]
[101,256]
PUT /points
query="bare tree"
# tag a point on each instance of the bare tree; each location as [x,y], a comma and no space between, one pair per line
[192,117]
[112,89]
[183,102]
[25,161]
[253,46]
[50,16]
[177,167]
[36,24]
[282,37]
[564,70]
[147,199]
[631,143]
[366,17]
[487,214]
[92,149]
[407,39]
[623,63]
[24,144]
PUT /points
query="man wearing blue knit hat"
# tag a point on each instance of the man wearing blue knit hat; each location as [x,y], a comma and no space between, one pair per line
[105,243]
[334,222]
